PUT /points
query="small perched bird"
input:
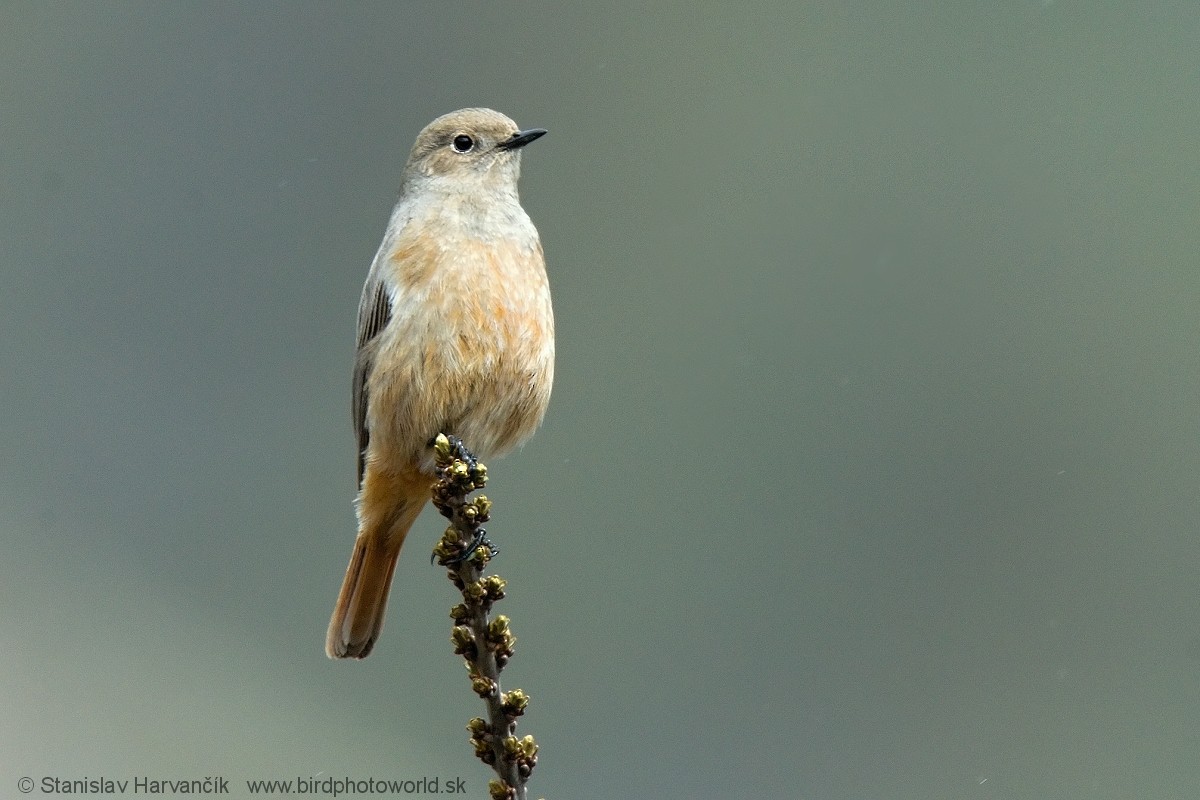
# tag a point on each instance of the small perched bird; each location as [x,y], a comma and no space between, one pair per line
[455,336]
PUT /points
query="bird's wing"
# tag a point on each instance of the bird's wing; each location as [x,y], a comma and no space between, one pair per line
[374,311]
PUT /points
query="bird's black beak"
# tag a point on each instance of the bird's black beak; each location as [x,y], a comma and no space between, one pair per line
[522,138]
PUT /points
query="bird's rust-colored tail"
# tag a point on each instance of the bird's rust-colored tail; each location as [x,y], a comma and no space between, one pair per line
[358,616]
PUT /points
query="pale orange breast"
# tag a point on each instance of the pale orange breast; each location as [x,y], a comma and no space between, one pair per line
[469,349]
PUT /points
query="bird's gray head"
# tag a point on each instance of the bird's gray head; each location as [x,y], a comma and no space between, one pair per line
[473,145]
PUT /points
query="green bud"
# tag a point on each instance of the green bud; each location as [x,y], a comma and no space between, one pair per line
[515,702]
[494,586]
[463,640]
[498,629]
[441,447]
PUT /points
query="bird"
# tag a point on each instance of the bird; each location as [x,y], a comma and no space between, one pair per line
[455,336]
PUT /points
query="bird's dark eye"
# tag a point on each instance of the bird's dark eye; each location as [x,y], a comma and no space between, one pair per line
[462,143]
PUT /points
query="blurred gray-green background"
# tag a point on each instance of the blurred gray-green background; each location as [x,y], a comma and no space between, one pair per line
[872,469]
